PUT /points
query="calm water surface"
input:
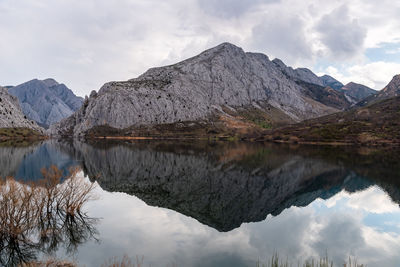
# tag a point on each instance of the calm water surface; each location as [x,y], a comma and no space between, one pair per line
[224,204]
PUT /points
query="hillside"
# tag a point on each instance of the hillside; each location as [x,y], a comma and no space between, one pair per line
[391,90]
[374,124]
[46,101]
[224,90]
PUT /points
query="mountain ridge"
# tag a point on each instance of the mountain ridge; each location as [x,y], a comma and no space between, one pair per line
[46,101]
[223,81]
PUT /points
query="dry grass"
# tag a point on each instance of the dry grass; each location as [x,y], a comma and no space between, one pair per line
[124,262]
[323,262]
[49,263]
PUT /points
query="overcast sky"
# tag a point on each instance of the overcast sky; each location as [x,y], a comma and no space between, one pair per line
[85,43]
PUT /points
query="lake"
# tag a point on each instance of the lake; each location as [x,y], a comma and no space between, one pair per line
[199,203]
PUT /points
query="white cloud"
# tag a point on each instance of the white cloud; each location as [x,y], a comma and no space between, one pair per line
[375,75]
[342,35]
[87,43]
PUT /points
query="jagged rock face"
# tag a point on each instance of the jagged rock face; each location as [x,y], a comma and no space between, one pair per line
[11,115]
[356,92]
[299,74]
[392,89]
[196,89]
[331,82]
[47,101]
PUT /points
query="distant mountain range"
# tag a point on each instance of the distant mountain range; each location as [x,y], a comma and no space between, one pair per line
[46,101]
[224,91]
[354,92]
[373,121]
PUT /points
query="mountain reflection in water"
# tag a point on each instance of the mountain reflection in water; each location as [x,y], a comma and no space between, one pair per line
[220,184]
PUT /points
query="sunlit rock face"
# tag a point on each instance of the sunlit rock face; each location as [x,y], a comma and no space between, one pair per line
[221,79]
[392,89]
[46,101]
[11,115]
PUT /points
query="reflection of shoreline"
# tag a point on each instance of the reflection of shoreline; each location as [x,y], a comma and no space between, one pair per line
[25,162]
[219,184]
[223,184]
[38,217]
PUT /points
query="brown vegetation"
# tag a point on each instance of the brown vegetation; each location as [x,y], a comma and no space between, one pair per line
[20,134]
[376,124]
[39,216]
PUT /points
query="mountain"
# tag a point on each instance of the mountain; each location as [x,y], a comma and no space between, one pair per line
[314,86]
[224,90]
[392,89]
[299,74]
[11,115]
[326,95]
[357,92]
[329,81]
[46,101]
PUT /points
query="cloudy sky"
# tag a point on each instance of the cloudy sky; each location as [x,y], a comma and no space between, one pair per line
[87,43]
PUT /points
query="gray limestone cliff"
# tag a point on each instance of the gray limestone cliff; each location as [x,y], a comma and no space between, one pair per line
[299,74]
[221,81]
[47,101]
[11,115]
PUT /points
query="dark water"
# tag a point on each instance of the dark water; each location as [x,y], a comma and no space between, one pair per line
[226,204]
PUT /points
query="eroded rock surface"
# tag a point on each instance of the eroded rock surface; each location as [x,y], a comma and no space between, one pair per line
[11,115]
[221,81]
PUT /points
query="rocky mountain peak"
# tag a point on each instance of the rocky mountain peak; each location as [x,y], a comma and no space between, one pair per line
[221,82]
[357,92]
[46,101]
[331,82]
[393,88]
[50,82]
